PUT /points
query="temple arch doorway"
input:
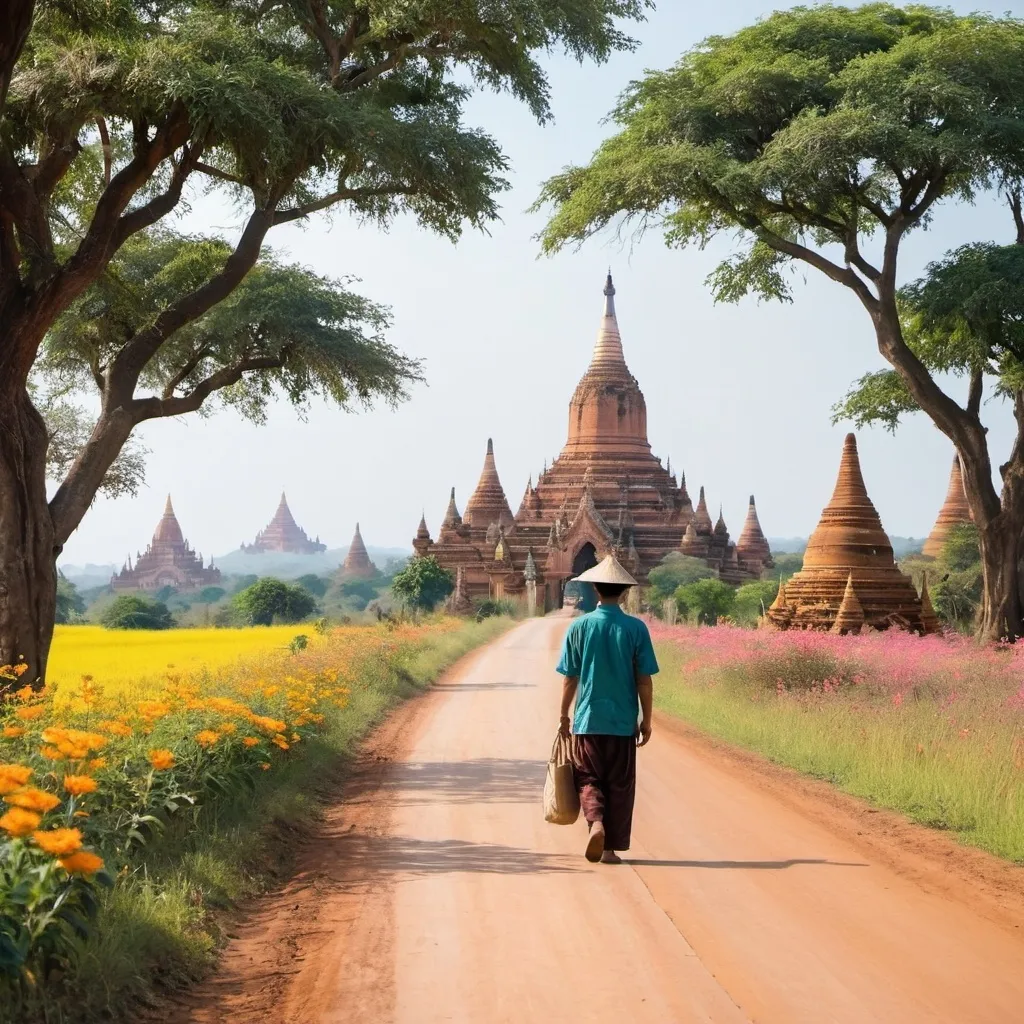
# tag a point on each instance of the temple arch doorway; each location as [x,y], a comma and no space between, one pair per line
[583,594]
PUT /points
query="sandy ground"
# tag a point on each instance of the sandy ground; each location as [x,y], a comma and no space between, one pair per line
[436,892]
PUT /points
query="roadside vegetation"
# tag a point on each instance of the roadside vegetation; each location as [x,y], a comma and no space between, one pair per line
[135,810]
[932,726]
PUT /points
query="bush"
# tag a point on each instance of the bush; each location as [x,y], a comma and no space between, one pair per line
[752,599]
[489,607]
[270,599]
[706,600]
[132,611]
[423,584]
[675,571]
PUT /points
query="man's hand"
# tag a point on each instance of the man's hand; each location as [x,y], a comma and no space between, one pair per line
[563,727]
[643,733]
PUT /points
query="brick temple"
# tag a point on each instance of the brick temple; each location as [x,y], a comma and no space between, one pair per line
[357,564]
[169,561]
[605,493]
[849,578]
[284,534]
[954,512]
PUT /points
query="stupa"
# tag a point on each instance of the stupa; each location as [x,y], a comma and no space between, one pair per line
[167,562]
[357,564]
[284,534]
[606,493]
[954,512]
[849,576]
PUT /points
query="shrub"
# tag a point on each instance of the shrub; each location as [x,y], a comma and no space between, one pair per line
[489,607]
[132,611]
[706,600]
[675,571]
[269,599]
[423,584]
[752,599]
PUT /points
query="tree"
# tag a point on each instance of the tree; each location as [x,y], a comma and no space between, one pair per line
[674,570]
[706,599]
[131,611]
[752,599]
[270,599]
[787,564]
[811,136]
[69,602]
[423,584]
[316,585]
[210,595]
[112,114]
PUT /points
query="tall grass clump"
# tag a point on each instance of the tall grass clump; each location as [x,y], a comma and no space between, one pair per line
[929,726]
[131,817]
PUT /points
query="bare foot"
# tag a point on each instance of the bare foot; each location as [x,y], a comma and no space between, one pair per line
[610,857]
[595,844]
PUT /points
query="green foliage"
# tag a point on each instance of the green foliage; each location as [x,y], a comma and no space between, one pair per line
[962,549]
[490,606]
[674,571]
[316,585]
[210,595]
[957,588]
[270,600]
[132,611]
[70,604]
[814,126]
[705,600]
[752,599]
[423,584]
[243,582]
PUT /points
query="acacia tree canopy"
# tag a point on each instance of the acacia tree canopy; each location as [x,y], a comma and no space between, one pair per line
[822,137]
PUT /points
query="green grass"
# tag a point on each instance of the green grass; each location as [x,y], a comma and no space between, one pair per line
[161,927]
[959,770]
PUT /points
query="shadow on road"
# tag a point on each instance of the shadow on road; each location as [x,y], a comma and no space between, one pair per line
[774,865]
[482,780]
[370,856]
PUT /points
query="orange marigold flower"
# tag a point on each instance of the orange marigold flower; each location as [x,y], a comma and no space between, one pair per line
[115,728]
[227,728]
[79,785]
[20,670]
[161,759]
[59,842]
[267,724]
[296,737]
[12,732]
[280,741]
[251,741]
[33,800]
[96,764]
[81,863]
[52,753]
[26,692]
[30,714]
[265,766]
[207,737]
[12,777]
[18,822]
[153,709]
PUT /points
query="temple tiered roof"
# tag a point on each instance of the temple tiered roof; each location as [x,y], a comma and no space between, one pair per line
[849,555]
[954,512]
[284,534]
[753,544]
[168,561]
[605,493]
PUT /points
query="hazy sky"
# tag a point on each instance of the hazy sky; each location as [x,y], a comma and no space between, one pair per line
[738,396]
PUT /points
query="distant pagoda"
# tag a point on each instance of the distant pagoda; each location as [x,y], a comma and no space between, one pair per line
[284,534]
[849,577]
[357,564]
[167,562]
[954,512]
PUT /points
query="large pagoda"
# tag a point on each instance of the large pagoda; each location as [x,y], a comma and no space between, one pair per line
[605,493]
[167,562]
[284,534]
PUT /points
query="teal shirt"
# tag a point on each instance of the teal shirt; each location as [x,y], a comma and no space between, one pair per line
[606,650]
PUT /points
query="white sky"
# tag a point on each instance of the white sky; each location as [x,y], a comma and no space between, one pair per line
[738,396]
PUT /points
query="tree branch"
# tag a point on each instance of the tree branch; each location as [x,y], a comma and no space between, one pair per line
[974,392]
[107,152]
[216,172]
[284,216]
[159,206]
[15,22]
[1013,197]
[190,364]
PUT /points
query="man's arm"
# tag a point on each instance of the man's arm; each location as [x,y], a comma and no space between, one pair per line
[645,691]
[569,685]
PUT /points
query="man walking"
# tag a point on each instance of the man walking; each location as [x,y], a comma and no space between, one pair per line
[607,660]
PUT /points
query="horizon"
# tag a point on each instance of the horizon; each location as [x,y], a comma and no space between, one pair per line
[738,396]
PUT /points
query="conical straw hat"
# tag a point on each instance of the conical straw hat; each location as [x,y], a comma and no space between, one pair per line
[609,571]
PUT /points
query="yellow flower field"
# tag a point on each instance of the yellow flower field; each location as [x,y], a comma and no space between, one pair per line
[139,660]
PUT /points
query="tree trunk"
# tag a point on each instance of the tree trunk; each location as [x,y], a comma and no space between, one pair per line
[28,573]
[1001,615]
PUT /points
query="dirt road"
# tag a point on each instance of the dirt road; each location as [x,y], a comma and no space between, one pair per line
[437,892]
